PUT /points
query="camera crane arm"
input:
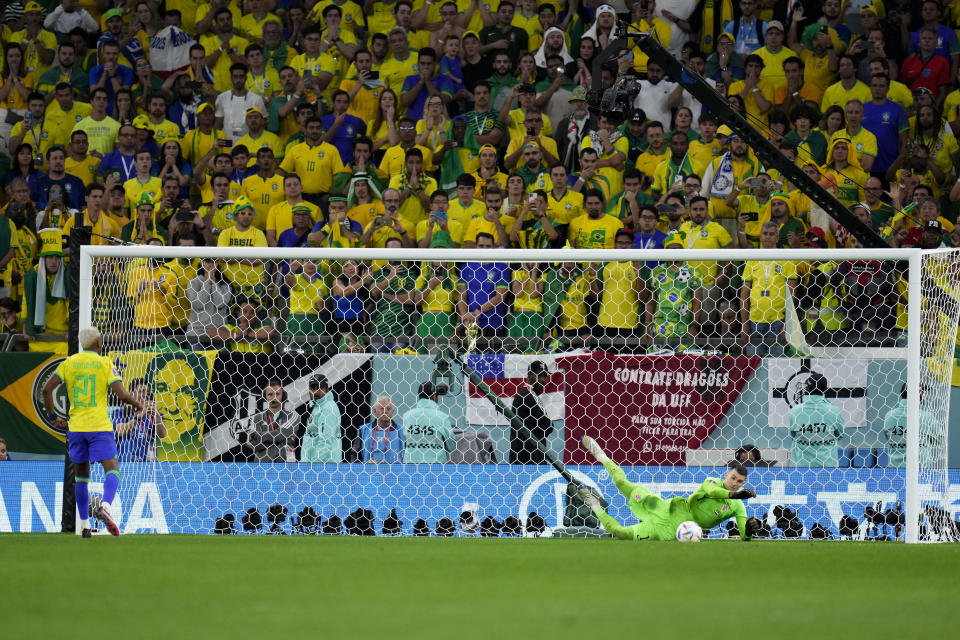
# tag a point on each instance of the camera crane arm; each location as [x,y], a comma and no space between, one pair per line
[717,104]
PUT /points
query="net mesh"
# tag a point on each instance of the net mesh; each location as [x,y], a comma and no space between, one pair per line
[312,394]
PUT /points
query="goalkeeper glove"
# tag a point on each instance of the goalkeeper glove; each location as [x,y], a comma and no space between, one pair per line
[743,494]
[753,526]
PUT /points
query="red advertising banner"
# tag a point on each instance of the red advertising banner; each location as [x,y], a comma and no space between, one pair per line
[648,409]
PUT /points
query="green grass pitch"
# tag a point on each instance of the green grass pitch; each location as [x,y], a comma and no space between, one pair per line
[58,585]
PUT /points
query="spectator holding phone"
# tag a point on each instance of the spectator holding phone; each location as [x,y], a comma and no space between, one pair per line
[437,288]
[750,207]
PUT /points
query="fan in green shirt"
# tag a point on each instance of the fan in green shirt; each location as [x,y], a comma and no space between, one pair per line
[394,289]
[716,500]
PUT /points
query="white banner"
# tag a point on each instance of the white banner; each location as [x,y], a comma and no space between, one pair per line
[847,390]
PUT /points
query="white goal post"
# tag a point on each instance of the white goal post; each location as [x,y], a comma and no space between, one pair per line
[913,351]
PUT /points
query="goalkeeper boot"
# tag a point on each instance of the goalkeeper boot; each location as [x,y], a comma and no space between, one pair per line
[590,498]
[87,533]
[103,515]
[591,445]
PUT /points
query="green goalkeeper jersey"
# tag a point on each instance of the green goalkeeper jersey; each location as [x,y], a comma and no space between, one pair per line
[710,506]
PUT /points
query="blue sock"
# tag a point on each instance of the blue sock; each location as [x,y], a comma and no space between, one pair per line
[110,486]
[82,492]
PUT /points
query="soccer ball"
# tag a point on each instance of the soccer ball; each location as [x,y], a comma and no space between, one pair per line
[689,531]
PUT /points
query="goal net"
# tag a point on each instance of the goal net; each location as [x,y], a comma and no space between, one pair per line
[446,392]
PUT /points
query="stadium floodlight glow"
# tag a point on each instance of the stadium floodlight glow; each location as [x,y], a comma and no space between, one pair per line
[669,406]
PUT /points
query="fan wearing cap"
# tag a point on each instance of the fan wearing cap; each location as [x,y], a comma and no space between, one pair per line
[337,231]
[280,215]
[763,300]
[205,140]
[728,171]
[816,426]
[774,54]
[674,305]
[46,290]
[725,65]
[143,224]
[245,275]
[257,137]
[38,44]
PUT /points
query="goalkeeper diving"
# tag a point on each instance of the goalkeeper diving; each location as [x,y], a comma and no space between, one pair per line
[716,500]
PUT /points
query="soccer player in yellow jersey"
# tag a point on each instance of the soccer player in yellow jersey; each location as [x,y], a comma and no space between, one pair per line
[246,276]
[763,298]
[87,377]
[264,188]
[142,183]
[314,161]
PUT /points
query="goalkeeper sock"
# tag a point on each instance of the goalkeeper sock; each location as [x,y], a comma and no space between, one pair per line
[84,524]
[110,486]
[82,492]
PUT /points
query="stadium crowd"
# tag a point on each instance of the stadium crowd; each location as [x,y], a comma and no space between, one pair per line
[465,124]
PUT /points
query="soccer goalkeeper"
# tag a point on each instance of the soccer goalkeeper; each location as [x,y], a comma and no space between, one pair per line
[715,501]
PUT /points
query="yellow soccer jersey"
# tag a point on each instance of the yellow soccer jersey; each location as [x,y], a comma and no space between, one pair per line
[305,292]
[864,142]
[252,28]
[393,160]
[710,235]
[351,17]
[244,277]
[87,376]
[163,131]
[454,228]
[482,225]
[60,123]
[265,85]
[586,233]
[463,215]
[280,216]
[264,194]
[134,190]
[85,169]
[768,301]
[412,209]
[393,71]
[206,191]
[364,213]
[568,208]
[197,144]
[316,165]
[703,153]
[221,70]
[152,293]
[619,303]
[263,141]
[573,307]
[837,95]
[31,59]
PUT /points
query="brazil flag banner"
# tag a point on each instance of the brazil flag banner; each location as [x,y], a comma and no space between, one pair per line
[181,382]
[23,420]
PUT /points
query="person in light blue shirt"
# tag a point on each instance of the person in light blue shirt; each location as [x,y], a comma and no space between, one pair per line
[895,431]
[427,431]
[816,427]
[381,439]
[322,440]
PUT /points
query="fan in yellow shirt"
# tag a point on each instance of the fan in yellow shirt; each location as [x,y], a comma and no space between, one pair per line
[264,188]
[246,276]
